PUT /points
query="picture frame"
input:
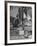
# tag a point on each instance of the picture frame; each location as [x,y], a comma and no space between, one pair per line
[14,35]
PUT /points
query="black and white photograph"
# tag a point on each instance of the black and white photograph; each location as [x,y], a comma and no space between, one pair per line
[20,22]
